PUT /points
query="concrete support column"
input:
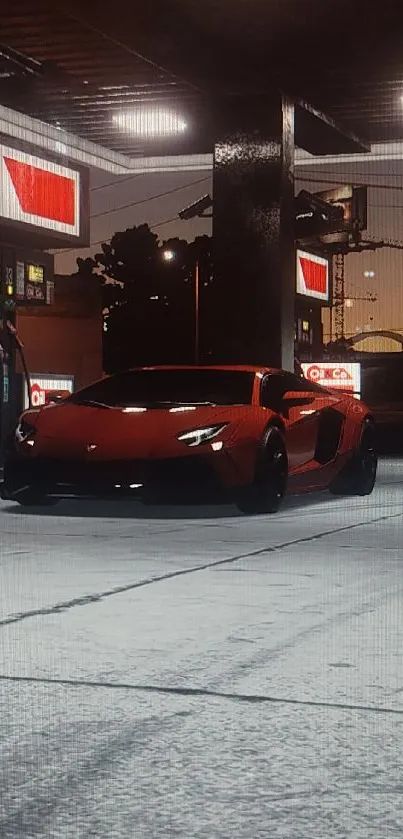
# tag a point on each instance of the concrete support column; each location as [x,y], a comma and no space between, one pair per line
[251,313]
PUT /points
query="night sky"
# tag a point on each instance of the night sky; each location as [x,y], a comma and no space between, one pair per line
[385,219]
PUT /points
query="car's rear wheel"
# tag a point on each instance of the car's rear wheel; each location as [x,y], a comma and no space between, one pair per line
[359,475]
[267,491]
[30,498]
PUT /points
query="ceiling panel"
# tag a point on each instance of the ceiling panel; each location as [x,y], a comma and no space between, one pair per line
[79,65]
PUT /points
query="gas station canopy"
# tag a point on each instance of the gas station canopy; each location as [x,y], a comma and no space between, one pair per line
[139,79]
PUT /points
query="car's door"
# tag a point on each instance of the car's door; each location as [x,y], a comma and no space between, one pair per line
[304,419]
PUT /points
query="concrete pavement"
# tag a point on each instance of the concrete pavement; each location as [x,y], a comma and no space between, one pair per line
[200,674]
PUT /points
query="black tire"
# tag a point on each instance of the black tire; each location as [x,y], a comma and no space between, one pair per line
[33,499]
[359,475]
[266,493]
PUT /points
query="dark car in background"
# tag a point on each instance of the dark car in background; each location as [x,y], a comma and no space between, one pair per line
[382,391]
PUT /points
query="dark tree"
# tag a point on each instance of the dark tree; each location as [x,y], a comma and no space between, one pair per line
[148,290]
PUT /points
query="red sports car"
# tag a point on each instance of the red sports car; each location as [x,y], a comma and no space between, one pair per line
[179,433]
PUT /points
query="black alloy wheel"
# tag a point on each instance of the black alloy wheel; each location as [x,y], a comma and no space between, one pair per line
[266,493]
[359,475]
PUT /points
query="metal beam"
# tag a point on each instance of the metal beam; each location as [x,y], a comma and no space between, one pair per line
[319,134]
[25,129]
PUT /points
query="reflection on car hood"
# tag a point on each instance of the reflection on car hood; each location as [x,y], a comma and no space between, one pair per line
[66,430]
[74,419]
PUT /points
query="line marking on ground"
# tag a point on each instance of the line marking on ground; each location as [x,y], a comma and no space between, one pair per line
[85,600]
[201,693]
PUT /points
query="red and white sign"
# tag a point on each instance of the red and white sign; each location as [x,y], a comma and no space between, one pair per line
[335,376]
[43,387]
[313,276]
[39,192]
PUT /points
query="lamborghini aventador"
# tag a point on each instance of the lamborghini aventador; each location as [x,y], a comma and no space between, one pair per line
[248,434]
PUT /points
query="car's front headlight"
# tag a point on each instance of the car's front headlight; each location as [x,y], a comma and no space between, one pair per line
[198,436]
[24,431]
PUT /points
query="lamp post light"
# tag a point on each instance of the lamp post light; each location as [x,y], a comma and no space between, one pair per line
[197,291]
[169,255]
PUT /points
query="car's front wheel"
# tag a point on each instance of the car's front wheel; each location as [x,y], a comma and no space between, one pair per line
[359,475]
[267,491]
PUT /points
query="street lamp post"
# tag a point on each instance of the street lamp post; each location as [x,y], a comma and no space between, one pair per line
[197,322]
[168,256]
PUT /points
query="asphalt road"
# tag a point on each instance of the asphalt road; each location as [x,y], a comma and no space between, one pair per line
[202,675]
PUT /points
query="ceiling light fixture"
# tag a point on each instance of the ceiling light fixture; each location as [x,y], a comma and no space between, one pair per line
[144,122]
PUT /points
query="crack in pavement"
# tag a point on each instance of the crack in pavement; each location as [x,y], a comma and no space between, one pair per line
[96,598]
[204,693]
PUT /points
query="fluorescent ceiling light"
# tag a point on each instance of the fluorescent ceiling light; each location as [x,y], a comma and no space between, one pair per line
[150,122]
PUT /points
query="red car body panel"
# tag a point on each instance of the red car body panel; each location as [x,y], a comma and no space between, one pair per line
[70,432]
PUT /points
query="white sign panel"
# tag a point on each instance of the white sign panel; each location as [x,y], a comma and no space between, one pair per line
[313,276]
[43,387]
[39,192]
[339,375]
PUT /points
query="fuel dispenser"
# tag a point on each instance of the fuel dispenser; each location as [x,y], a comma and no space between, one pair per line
[26,279]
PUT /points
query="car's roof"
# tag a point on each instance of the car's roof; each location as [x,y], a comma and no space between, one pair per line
[241,368]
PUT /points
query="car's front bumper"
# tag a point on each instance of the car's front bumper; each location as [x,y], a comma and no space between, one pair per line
[185,478]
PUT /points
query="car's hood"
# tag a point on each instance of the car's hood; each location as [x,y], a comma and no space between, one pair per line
[68,430]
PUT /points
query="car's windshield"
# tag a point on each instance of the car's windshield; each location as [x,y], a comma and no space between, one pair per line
[162,388]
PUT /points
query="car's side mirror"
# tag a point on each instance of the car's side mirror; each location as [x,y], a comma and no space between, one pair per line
[297,399]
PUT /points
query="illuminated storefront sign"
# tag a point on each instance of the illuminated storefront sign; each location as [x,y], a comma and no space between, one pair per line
[39,192]
[49,199]
[35,273]
[33,283]
[43,387]
[335,375]
[313,276]
[20,280]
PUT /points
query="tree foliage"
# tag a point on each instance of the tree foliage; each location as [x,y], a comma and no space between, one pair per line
[148,300]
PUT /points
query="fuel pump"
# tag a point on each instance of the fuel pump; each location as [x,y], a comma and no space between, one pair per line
[10,347]
[26,280]
[7,354]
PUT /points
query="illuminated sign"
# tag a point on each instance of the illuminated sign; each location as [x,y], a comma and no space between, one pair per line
[20,277]
[9,280]
[34,293]
[43,387]
[35,273]
[313,276]
[41,193]
[352,201]
[33,284]
[340,376]
[50,293]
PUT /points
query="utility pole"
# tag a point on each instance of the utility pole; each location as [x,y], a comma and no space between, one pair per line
[339,296]
[197,313]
